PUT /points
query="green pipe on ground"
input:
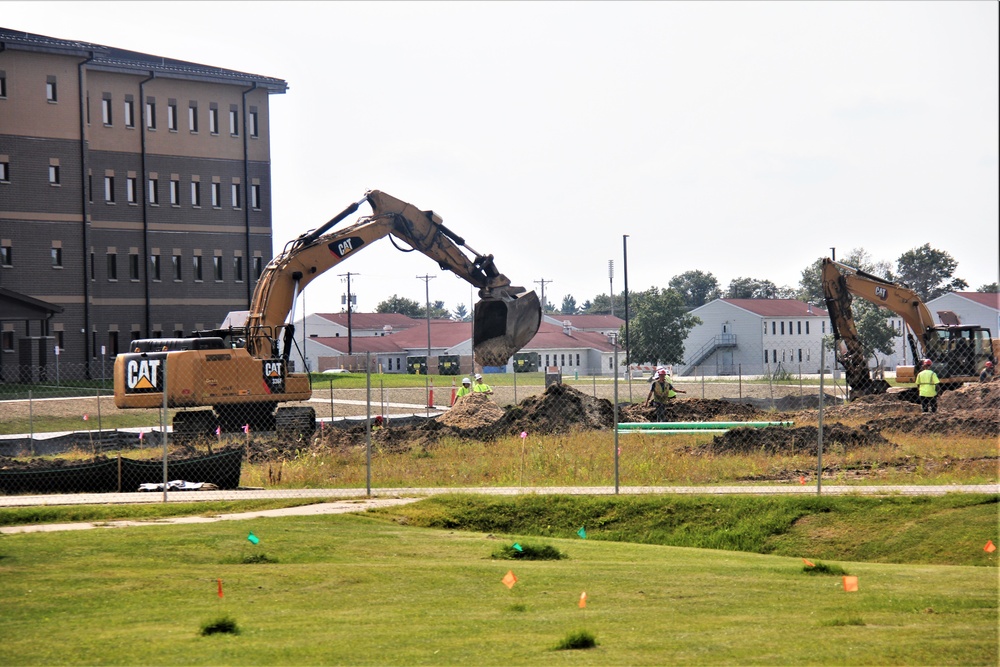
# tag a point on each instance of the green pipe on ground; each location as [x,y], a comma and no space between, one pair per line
[674,431]
[654,426]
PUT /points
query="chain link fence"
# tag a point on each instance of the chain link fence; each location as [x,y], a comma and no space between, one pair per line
[345,432]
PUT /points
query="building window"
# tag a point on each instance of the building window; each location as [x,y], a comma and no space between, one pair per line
[4,171]
[252,120]
[154,267]
[53,174]
[216,195]
[782,328]
[217,267]
[213,120]
[61,341]
[129,113]
[238,269]
[3,83]
[176,259]
[154,192]
[774,329]
[774,356]
[133,266]
[106,110]
[195,194]
[236,195]
[822,325]
[109,189]
[6,254]
[8,341]
[193,117]
[197,268]
[807,327]
[93,266]
[578,360]
[130,190]
[765,356]
[175,193]
[151,114]
[51,94]
[112,266]
[112,343]
[90,188]
[57,257]
[258,267]
[800,355]
[798,329]
[255,197]
[234,122]
[172,117]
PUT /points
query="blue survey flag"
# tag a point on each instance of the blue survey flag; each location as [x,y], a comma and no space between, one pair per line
[253,538]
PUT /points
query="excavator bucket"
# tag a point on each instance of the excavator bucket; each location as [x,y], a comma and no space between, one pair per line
[503,325]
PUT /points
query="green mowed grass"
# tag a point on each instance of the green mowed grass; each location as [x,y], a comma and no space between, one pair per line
[359,590]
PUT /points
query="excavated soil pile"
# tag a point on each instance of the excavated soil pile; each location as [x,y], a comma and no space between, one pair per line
[692,409]
[802,440]
[559,409]
[472,411]
[984,396]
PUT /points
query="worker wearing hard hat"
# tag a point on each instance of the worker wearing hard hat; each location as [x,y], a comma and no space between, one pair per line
[927,382]
[661,392]
[987,373]
[481,387]
[465,389]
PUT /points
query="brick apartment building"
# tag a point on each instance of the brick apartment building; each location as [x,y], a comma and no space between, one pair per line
[134,198]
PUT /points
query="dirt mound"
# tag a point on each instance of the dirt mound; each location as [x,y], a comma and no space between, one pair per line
[802,440]
[692,409]
[981,423]
[982,396]
[559,409]
[472,411]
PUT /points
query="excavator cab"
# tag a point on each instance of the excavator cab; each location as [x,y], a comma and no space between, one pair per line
[503,324]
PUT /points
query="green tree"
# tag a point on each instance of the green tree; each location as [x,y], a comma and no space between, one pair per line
[601,305]
[401,305]
[989,287]
[929,272]
[461,313]
[874,330]
[569,305]
[696,288]
[658,326]
[438,311]
[751,288]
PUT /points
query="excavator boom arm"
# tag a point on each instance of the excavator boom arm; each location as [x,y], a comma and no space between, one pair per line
[314,253]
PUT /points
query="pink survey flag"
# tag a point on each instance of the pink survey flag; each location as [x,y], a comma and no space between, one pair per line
[246,429]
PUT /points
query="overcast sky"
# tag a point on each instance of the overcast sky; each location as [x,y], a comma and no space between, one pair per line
[742,139]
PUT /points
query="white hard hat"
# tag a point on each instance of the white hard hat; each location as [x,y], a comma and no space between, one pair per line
[478,376]
[466,381]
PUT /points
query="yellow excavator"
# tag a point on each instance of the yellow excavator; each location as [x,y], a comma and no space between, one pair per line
[958,353]
[241,382]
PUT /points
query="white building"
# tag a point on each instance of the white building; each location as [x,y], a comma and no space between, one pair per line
[982,308]
[755,336]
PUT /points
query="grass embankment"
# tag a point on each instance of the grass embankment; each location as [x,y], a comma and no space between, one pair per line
[360,590]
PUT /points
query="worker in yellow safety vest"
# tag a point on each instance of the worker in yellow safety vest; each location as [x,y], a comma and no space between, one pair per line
[661,392]
[927,382]
[481,387]
[464,390]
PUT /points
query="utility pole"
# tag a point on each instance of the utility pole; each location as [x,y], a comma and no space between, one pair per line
[350,347]
[542,282]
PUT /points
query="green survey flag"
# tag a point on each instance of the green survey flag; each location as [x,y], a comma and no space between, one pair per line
[253,538]
[517,547]
[582,533]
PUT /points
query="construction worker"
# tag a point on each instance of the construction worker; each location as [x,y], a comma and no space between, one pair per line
[987,373]
[464,390]
[481,387]
[661,392]
[927,382]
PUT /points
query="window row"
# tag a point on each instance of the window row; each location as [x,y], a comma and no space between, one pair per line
[129,116]
[198,267]
[561,359]
[789,357]
[797,329]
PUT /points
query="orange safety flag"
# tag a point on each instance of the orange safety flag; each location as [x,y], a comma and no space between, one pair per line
[990,547]
[802,479]
[583,599]
[220,587]
[509,579]
[808,562]
[850,584]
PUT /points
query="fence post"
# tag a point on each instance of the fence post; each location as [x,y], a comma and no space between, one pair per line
[163,425]
[31,423]
[703,384]
[819,428]
[740,371]
[616,413]
[368,424]
[770,385]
